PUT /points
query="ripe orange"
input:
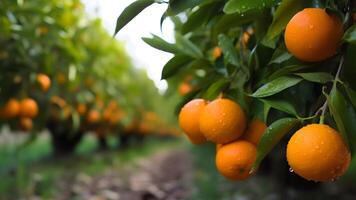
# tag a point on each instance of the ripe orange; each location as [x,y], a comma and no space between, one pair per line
[44,81]
[189,120]
[93,116]
[26,124]
[235,160]
[222,121]
[254,132]
[11,109]
[81,109]
[317,152]
[28,108]
[313,35]
[185,88]
[217,52]
[61,78]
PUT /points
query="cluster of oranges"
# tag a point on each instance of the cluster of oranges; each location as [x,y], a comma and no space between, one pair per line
[223,122]
[26,110]
[315,152]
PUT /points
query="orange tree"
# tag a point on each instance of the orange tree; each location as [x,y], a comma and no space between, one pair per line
[63,71]
[285,63]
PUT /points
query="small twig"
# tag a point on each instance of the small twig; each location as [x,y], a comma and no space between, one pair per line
[339,69]
[323,108]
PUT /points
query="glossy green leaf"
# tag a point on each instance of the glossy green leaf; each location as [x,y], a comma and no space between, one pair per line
[174,65]
[318,77]
[159,43]
[242,6]
[271,137]
[285,11]
[352,95]
[280,104]
[230,21]
[344,116]
[178,6]
[350,35]
[215,89]
[131,12]
[286,70]
[230,53]
[188,47]
[199,17]
[276,86]
[280,55]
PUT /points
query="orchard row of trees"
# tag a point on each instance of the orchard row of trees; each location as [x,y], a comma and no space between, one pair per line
[61,71]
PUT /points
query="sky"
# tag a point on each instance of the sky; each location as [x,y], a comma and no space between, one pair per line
[147,22]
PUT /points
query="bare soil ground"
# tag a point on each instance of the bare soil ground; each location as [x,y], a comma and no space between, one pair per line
[164,175]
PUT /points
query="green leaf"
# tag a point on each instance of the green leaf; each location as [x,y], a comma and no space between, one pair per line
[178,6]
[352,95]
[318,77]
[242,6]
[131,12]
[280,55]
[276,86]
[174,65]
[285,11]
[280,104]
[286,70]
[187,46]
[271,137]
[229,21]
[350,35]
[266,109]
[199,17]
[215,89]
[344,116]
[228,49]
[159,43]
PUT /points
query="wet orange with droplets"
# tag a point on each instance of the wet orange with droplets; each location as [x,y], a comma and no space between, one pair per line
[317,152]
[222,121]
[189,120]
[313,35]
[235,160]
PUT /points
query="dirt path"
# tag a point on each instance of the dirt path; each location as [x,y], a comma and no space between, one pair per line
[164,175]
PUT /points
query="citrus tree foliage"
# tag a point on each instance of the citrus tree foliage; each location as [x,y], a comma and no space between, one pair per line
[255,68]
[85,64]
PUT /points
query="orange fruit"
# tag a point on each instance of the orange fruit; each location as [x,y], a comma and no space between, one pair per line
[222,121]
[115,118]
[189,120]
[254,132]
[44,81]
[313,35]
[11,109]
[185,88]
[42,30]
[235,160]
[61,78]
[93,116]
[317,152]
[28,108]
[218,146]
[26,124]
[217,52]
[81,109]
